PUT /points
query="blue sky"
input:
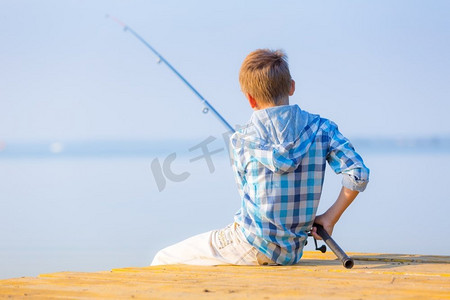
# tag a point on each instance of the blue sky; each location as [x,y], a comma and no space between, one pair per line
[378,68]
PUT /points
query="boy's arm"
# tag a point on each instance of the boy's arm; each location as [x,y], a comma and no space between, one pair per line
[344,160]
[332,215]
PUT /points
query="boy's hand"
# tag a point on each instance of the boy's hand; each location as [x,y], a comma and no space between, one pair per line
[327,225]
[332,215]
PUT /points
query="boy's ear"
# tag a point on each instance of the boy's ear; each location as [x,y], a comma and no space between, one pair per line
[292,90]
[251,100]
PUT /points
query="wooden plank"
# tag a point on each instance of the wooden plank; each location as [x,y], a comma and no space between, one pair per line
[317,277]
[406,258]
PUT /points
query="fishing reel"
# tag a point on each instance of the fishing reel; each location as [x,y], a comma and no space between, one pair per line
[322,248]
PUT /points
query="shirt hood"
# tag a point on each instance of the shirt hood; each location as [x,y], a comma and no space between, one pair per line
[277,137]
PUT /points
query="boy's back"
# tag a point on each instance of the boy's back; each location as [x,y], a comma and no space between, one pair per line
[279,160]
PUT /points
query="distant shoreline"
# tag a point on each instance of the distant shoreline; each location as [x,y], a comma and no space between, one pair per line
[142,148]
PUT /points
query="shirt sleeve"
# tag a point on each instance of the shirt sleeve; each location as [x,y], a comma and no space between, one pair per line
[238,172]
[344,160]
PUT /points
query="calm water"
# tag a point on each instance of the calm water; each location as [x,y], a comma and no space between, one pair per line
[89,214]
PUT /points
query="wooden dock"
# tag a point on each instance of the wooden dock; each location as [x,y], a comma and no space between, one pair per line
[318,276]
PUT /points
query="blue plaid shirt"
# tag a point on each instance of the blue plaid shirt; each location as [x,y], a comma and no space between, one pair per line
[279,160]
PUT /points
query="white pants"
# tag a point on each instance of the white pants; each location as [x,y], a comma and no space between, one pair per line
[216,247]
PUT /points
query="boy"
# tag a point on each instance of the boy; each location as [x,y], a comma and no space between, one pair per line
[279,160]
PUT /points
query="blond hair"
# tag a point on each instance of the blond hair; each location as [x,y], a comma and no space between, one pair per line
[265,75]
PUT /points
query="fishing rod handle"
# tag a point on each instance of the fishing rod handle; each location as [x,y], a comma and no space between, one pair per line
[347,261]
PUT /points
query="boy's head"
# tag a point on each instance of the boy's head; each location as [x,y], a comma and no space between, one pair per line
[265,78]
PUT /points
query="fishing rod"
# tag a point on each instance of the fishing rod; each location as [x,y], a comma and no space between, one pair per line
[347,261]
[205,102]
